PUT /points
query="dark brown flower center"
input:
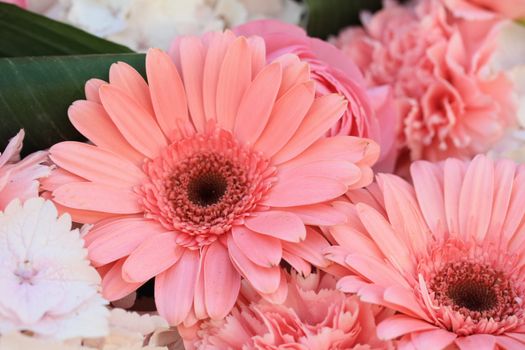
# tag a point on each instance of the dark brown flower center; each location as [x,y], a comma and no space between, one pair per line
[207,189]
[473,295]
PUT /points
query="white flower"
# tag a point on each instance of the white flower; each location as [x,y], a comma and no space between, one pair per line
[47,286]
[141,24]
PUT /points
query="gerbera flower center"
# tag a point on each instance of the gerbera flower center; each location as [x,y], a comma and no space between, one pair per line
[203,185]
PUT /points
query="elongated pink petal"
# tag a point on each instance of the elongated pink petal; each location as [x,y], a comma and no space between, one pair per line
[325,111]
[266,280]
[96,164]
[310,249]
[476,342]
[258,51]
[135,123]
[478,187]
[264,250]
[153,256]
[118,238]
[286,117]
[192,54]
[222,282]
[167,92]
[92,121]
[398,325]
[257,104]
[355,242]
[91,89]
[299,264]
[375,270]
[114,287]
[199,303]
[318,214]
[278,224]
[342,171]
[174,288]
[509,343]
[212,66]
[453,177]
[504,175]
[59,177]
[96,197]
[123,76]
[404,300]
[234,78]
[434,339]
[294,72]
[304,191]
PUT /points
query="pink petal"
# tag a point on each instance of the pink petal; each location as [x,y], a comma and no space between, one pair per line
[91,89]
[212,66]
[311,249]
[234,78]
[92,121]
[192,54]
[199,304]
[222,282]
[509,343]
[342,171]
[250,122]
[118,238]
[79,215]
[97,197]
[167,92]
[174,288]
[325,111]
[114,287]
[476,342]
[435,339]
[95,164]
[278,224]
[398,325]
[404,301]
[135,123]
[299,264]
[318,214]
[126,78]
[505,172]
[286,117]
[258,50]
[294,72]
[263,250]
[265,280]
[354,241]
[153,256]
[58,178]
[375,270]
[453,177]
[304,191]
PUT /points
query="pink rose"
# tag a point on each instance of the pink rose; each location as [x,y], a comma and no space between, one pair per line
[370,112]
[450,102]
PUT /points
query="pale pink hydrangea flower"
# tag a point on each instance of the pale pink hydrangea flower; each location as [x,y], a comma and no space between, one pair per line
[370,112]
[19,178]
[47,285]
[450,102]
[446,253]
[314,316]
[215,169]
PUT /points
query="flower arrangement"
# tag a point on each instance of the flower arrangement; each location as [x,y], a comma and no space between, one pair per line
[232,180]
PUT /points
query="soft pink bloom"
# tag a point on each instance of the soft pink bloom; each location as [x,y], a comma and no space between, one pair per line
[48,287]
[450,102]
[19,178]
[446,253]
[314,316]
[483,9]
[370,112]
[21,3]
[208,172]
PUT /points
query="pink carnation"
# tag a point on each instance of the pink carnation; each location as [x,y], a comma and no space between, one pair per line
[450,104]
[370,112]
[19,178]
[314,316]
[483,9]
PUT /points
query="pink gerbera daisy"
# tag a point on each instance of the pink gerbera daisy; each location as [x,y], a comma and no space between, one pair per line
[446,253]
[208,172]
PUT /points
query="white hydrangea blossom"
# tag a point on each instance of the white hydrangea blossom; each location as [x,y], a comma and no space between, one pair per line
[141,24]
[47,285]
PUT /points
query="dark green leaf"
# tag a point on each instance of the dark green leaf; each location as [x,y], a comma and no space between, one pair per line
[23,33]
[328,17]
[35,93]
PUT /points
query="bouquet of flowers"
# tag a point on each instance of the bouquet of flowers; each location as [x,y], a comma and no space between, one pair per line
[207,174]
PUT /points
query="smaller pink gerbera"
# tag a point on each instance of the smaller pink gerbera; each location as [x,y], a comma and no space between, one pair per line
[19,178]
[314,316]
[446,253]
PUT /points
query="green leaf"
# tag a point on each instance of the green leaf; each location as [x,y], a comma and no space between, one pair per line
[35,93]
[328,17]
[24,33]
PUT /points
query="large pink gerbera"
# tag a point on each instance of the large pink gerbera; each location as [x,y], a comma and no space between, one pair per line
[207,173]
[447,253]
